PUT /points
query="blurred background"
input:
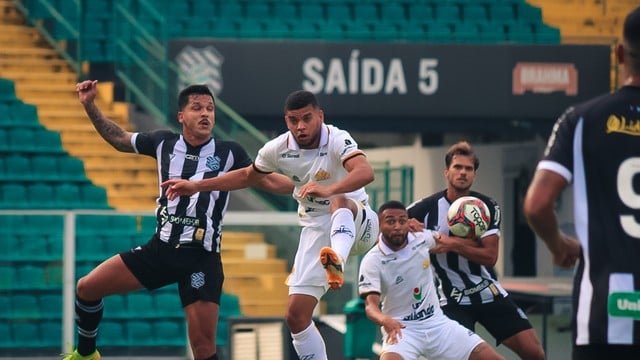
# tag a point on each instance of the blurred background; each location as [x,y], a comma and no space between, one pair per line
[407,78]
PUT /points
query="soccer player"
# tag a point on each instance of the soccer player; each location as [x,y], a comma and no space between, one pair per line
[596,146]
[329,173]
[398,271]
[185,248]
[467,284]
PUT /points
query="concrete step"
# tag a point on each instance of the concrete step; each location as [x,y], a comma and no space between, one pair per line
[263,308]
[17,63]
[241,237]
[251,266]
[243,251]
[38,76]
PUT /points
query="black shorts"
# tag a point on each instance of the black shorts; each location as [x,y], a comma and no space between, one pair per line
[198,272]
[502,318]
[602,351]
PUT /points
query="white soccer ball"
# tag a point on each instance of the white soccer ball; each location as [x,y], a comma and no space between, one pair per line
[468,217]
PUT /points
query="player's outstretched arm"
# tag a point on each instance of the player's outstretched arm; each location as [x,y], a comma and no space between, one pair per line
[483,251]
[113,133]
[233,180]
[276,183]
[360,174]
[539,209]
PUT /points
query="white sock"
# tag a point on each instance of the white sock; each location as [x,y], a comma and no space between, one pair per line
[343,232]
[309,343]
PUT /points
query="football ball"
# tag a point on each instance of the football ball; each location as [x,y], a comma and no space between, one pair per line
[468,217]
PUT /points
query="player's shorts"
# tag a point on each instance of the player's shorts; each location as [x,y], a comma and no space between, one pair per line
[502,318]
[198,272]
[444,340]
[308,276]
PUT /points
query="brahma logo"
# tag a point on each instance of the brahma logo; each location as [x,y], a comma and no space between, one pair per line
[544,78]
[322,175]
[200,66]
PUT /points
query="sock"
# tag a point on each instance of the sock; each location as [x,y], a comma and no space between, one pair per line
[343,232]
[212,357]
[88,316]
[309,343]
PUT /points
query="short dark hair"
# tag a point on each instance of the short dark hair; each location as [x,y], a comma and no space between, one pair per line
[391,204]
[299,99]
[461,148]
[631,40]
[197,89]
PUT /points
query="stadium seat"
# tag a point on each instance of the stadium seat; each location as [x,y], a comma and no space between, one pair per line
[285,11]
[23,115]
[40,196]
[140,333]
[50,306]
[528,14]
[14,196]
[4,142]
[501,13]
[168,304]
[447,12]
[93,197]
[5,307]
[303,29]
[229,9]
[90,247]
[71,169]
[45,166]
[48,141]
[112,333]
[311,11]
[140,305]
[25,307]
[170,333]
[365,12]
[357,30]
[26,334]
[257,11]
[545,34]
[51,333]
[115,306]
[6,338]
[19,168]
[67,196]
[466,32]
[53,275]
[392,12]
[331,30]
[21,140]
[92,224]
[250,29]
[475,13]
[30,246]
[7,90]
[276,29]
[520,33]
[439,32]
[224,28]
[30,277]
[339,12]
[7,277]
[384,31]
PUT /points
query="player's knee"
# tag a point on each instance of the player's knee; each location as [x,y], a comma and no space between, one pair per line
[296,321]
[202,348]
[83,289]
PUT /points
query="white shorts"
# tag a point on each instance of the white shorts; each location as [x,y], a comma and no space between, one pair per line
[307,272]
[446,340]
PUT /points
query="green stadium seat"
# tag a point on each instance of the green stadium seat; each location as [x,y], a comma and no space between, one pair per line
[84,269]
[331,30]
[420,13]
[448,13]
[140,333]
[51,333]
[67,196]
[520,33]
[40,196]
[167,304]
[19,168]
[257,11]
[26,334]
[7,90]
[140,305]
[392,12]
[23,115]
[14,196]
[53,275]
[311,11]
[500,13]
[224,28]
[45,166]
[112,333]
[21,140]
[340,12]
[528,14]
[228,9]
[7,277]
[71,169]
[250,29]
[50,306]
[115,306]
[93,197]
[476,13]
[365,12]
[25,306]
[5,307]
[4,142]
[384,31]
[466,32]
[92,224]
[302,29]
[546,34]
[439,32]
[48,141]
[170,333]
[276,29]
[284,10]
[6,338]
[358,30]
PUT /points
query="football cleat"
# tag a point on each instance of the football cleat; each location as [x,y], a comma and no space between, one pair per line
[76,356]
[330,261]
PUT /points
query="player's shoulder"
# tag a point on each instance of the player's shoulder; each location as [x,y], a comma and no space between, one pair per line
[373,255]
[485,198]
[426,203]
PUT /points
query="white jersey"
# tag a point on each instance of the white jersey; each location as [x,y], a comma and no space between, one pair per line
[404,279]
[323,165]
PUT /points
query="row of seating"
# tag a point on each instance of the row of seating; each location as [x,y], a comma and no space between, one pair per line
[41,195]
[42,334]
[30,167]
[95,224]
[30,140]
[16,113]
[30,276]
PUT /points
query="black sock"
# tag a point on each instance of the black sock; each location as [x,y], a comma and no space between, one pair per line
[212,357]
[88,316]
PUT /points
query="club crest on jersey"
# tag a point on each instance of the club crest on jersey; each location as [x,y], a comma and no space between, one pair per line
[417,293]
[322,175]
[213,163]
[426,263]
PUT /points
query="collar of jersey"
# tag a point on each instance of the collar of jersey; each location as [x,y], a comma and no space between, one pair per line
[324,138]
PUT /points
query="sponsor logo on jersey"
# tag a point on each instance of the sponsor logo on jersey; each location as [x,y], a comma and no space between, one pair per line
[622,125]
[422,314]
[290,156]
[192,157]
[295,178]
[426,263]
[322,175]
[384,262]
[417,293]
[213,163]
[399,279]
[323,153]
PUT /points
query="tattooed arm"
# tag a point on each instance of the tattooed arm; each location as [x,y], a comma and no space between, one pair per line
[113,133]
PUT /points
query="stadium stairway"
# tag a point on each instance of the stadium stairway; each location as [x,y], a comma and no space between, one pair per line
[44,79]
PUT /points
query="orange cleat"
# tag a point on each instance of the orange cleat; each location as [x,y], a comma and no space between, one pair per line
[330,261]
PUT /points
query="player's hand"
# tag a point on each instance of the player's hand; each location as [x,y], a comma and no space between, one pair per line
[415,225]
[312,188]
[393,329]
[566,251]
[178,187]
[87,91]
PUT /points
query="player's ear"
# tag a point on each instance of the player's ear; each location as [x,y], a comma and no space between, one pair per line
[620,53]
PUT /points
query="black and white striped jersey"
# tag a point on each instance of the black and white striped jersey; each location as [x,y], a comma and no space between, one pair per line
[459,279]
[198,218]
[596,146]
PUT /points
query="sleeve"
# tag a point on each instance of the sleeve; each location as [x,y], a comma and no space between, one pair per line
[558,155]
[369,279]
[266,159]
[344,147]
[146,143]
[240,156]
